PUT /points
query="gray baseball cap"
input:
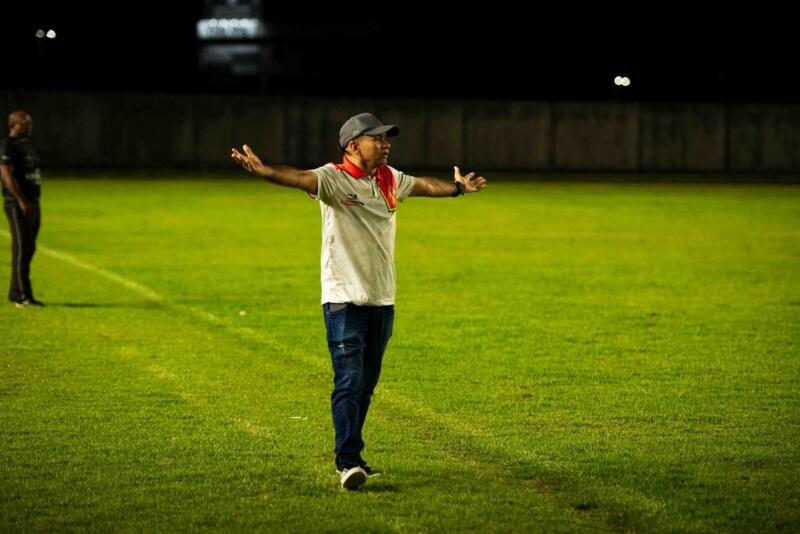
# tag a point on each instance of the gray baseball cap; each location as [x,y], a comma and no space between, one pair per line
[364,124]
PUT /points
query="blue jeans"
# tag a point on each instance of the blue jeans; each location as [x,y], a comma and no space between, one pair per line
[357,338]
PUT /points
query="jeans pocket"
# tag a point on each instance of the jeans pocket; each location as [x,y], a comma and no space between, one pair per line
[335,320]
[334,307]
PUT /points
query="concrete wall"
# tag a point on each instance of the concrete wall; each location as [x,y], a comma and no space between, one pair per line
[596,135]
[147,131]
[765,138]
[683,137]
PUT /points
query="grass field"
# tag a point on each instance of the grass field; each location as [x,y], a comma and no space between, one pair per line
[566,357]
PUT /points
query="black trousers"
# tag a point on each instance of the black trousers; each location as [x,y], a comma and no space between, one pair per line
[24,230]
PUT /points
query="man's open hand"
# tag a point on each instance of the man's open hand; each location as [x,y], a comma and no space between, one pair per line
[247,159]
[470,182]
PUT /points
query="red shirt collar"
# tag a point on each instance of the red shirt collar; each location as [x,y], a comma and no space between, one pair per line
[383,174]
[351,168]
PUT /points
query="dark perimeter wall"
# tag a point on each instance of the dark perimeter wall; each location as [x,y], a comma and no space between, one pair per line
[150,131]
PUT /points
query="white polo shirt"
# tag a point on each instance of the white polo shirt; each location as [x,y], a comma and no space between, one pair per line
[358,232]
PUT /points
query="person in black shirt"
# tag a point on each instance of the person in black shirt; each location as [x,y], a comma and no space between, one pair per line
[19,170]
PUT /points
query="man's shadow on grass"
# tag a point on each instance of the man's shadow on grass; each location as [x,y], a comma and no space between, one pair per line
[144,305]
[377,487]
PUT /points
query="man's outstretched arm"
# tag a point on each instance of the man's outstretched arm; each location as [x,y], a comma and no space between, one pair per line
[279,174]
[433,187]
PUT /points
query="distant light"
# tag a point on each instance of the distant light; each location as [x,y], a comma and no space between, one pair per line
[230,28]
[51,34]
[626,81]
[618,80]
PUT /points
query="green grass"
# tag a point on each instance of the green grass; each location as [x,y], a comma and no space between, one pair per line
[566,357]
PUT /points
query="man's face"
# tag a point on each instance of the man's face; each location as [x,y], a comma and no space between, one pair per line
[373,149]
[21,125]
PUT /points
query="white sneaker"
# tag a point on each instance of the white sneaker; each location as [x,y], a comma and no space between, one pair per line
[353,478]
[370,473]
[27,303]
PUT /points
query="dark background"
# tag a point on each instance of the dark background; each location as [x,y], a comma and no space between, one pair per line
[670,52]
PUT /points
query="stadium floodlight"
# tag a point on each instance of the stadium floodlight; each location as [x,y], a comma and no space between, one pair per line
[622,81]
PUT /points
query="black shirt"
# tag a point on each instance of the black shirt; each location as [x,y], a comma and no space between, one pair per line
[21,154]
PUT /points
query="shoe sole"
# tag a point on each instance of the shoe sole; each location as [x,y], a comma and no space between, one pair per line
[369,475]
[354,479]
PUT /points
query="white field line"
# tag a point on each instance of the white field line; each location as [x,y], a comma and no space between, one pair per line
[153,296]
[452,423]
[248,333]
[136,287]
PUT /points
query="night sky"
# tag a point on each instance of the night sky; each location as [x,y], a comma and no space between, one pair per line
[673,55]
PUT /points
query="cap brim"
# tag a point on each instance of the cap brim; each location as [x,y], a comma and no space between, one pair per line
[389,129]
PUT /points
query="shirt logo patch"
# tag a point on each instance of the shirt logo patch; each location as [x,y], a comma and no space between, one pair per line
[351,200]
